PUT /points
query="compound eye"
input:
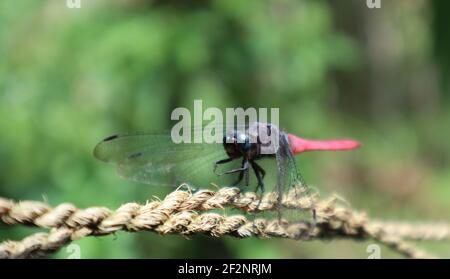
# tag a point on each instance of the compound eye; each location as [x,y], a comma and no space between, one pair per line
[243,138]
[229,139]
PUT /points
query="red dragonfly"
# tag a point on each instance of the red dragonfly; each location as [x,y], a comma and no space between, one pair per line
[155,159]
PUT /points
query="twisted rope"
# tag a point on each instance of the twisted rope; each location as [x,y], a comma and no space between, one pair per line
[134,217]
[180,213]
[416,231]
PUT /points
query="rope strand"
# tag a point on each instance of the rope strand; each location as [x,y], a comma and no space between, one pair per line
[183,212]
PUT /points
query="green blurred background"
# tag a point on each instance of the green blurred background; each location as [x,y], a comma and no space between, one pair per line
[70,77]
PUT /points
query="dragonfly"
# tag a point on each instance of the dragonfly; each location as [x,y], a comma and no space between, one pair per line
[154,158]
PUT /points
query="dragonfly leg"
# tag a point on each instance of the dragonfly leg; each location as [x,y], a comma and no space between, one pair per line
[242,169]
[240,177]
[260,173]
[242,173]
[246,174]
[223,161]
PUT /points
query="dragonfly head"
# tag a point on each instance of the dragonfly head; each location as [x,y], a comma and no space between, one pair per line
[236,144]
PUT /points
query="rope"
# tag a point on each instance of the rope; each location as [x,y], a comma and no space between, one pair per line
[416,231]
[182,212]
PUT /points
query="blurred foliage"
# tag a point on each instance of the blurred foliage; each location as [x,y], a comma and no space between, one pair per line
[70,77]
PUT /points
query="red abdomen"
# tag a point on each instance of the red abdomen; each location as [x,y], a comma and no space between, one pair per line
[299,145]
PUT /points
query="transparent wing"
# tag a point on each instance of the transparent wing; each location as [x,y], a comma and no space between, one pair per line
[288,178]
[155,159]
[288,173]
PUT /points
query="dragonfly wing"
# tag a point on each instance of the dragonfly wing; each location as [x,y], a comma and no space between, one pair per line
[288,174]
[155,159]
[289,177]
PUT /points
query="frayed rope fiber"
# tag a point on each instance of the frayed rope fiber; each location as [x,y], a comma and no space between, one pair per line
[185,213]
